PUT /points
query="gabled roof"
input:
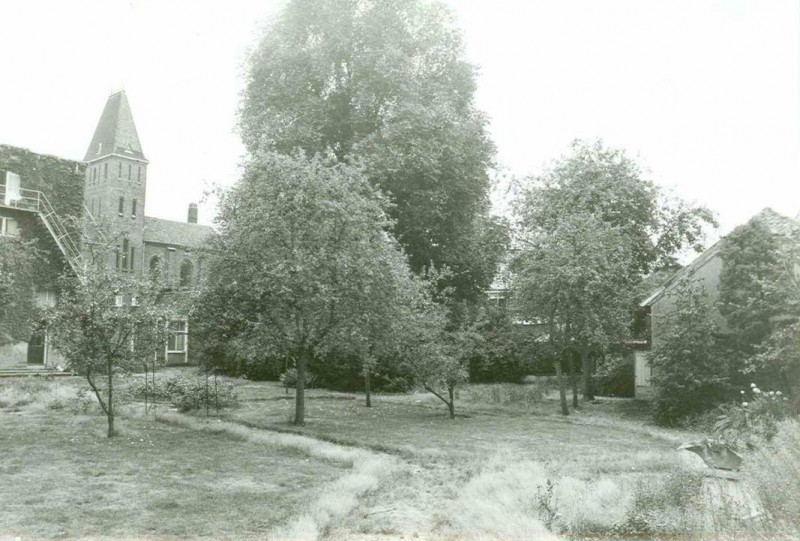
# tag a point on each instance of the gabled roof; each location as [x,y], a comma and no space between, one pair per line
[116,132]
[176,233]
[776,223]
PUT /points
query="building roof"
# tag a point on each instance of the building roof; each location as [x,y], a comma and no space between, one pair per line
[177,233]
[116,131]
[776,223]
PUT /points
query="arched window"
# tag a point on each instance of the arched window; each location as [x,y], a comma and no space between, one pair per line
[187,270]
[156,271]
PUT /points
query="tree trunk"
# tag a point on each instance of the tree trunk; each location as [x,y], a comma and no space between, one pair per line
[366,388]
[110,409]
[573,379]
[562,391]
[300,386]
[452,404]
[586,366]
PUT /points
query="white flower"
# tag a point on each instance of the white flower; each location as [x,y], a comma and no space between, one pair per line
[778,393]
[744,404]
[741,392]
[752,385]
[756,390]
[772,393]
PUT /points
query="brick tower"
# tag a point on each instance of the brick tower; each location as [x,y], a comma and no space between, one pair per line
[116,178]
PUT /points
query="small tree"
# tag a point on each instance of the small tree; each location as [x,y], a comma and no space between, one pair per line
[691,372]
[106,323]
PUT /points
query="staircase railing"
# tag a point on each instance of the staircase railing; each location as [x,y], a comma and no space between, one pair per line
[36,201]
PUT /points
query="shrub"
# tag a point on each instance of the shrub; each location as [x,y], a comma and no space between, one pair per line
[615,377]
[186,394]
[752,420]
[691,371]
[506,394]
[289,378]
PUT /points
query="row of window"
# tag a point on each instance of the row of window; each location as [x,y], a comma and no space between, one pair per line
[120,208]
[125,256]
[96,171]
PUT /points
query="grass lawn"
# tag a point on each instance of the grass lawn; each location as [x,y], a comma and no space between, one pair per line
[508,467]
[61,477]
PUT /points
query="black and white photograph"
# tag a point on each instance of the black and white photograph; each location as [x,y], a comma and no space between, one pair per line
[378,270]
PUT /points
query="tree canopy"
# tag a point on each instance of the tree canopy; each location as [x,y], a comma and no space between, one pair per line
[302,263]
[590,229]
[385,83]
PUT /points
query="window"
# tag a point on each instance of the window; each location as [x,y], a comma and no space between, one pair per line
[178,332]
[132,254]
[139,175]
[105,170]
[125,248]
[92,206]
[9,227]
[116,258]
[119,175]
[187,271]
[133,209]
[129,171]
[121,205]
[156,270]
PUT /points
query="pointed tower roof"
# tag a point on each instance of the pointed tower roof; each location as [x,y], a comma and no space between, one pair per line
[116,132]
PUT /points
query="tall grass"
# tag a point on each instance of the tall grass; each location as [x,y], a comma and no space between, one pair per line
[523,395]
[773,470]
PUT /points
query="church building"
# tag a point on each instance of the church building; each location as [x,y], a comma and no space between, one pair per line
[41,197]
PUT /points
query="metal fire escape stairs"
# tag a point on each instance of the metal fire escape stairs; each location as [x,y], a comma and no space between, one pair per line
[35,201]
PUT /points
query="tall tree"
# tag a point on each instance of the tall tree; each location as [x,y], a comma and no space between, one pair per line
[301,256]
[385,83]
[590,229]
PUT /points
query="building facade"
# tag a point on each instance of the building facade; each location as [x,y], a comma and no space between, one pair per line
[43,195]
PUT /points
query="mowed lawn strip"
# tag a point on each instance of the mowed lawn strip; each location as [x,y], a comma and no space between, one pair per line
[61,477]
[417,425]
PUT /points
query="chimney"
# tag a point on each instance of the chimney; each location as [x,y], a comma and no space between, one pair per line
[192,219]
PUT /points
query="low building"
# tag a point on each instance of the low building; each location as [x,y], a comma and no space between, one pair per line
[706,270]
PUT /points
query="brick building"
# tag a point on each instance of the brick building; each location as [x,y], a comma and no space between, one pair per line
[40,195]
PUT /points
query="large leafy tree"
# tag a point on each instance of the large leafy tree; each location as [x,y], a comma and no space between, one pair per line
[301,262]
[759,297]
[758,283]
[385,83]
[590,229]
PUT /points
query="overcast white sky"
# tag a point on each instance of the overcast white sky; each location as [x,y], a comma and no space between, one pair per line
[706,93]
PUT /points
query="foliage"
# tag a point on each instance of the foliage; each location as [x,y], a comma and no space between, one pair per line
[502,354]
[301,264]
[18,311]
[752,420]
[615,376]
[107,323]
[774,471]
[776,360]
[186,394]
[691,371]
[591,229]
[289,378]
[385,84]
[758,283]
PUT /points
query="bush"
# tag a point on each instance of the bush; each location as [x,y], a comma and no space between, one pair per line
[186,394]
[754,419]
[289,378]
[506,394]
[615,377]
